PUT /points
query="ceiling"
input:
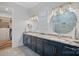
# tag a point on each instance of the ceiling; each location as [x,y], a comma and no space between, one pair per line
[44,7]
[34,8]
[27,5]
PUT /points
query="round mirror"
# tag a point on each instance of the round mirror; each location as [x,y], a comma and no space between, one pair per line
[63,23]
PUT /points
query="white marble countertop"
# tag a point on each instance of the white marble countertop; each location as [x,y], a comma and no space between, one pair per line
[66,40]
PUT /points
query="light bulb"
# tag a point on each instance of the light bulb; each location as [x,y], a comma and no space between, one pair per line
[50,15]
[37,19]
[70,8]
[61,11]
[54,14]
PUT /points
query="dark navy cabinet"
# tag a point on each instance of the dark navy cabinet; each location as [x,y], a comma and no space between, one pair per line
[50,49]
[69,50]
[29,41]
[39,46]
[25,40]
[45,47]
[34,43]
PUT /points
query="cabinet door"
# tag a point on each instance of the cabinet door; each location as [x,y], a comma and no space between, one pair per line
[39,46]
[77,52]
[68,51]
[29,41]
[25,39]
[34,39]
[49,50]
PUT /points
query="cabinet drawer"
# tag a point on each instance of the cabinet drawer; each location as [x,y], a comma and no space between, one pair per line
[68,50]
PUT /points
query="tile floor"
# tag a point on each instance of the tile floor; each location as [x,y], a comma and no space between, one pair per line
[20,51]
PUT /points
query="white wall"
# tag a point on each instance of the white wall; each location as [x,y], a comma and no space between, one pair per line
[18,25]
[17,31]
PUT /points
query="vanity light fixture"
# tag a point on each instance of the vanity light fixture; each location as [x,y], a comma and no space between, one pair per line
[61,9]
[35,19]
[55,12]
[70,8]
[50,15]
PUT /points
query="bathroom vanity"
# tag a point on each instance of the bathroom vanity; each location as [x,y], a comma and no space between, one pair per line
[49,45]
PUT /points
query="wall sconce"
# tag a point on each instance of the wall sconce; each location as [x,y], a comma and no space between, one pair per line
[35,19]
